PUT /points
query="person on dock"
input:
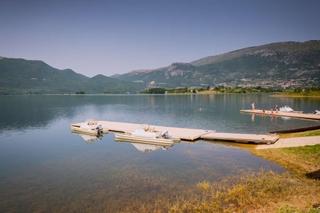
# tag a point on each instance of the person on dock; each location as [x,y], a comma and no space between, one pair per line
[253,106]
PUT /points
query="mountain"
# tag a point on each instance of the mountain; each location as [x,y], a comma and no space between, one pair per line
[295,64]
[20,76]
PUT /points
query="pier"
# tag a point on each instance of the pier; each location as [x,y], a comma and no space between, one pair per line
[299,115]
[190,134]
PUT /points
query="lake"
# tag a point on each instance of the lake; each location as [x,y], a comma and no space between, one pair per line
[45,167]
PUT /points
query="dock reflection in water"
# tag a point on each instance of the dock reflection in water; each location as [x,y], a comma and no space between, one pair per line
[143,147]
[89,139]
[140,146]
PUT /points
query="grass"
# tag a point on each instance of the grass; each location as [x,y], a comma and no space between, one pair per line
[263,191]
[248,192]
[298,159]
[290,209]
[260,192]
[299,93]
[301,134]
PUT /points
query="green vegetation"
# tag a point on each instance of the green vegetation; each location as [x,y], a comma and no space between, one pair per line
[158,90]
[308,154]
[19,76]
[208,90]
[155,91]
[301,134]
[290,209]
[299,159]
[80,93]
[244,90]
[300,92]
[248,192]
[253,192]
[262,192]
[296,92]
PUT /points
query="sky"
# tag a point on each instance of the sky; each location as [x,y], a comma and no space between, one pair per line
[111,37]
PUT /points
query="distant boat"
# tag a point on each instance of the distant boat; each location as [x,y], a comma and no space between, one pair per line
[288,109]
[147,137]
[88,128]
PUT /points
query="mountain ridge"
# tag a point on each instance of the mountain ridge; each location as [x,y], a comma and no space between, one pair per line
[22,76]
[280,64]
[283,63]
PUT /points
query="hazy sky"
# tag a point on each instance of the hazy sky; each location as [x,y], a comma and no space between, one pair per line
[111,37]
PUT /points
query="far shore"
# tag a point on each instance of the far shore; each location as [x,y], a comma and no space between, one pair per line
[285,95]
[290,93]
[314,93]
[167,94]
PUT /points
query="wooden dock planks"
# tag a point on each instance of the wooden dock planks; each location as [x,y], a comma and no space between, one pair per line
[191,134]
[292,142]
[182,133]
[283,114]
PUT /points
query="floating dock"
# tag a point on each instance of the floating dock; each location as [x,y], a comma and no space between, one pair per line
[303,129]
[241,138]
[191,134]
[298,115]
[181,133]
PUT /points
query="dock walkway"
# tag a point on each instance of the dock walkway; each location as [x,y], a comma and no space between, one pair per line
[182,133]
[191,134]
[283,114]
[292,142]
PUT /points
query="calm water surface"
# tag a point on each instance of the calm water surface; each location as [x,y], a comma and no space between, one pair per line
[43,166]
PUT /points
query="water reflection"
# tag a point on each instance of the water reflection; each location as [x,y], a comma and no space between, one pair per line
[142,146]
[89,139]
[218,112]
[145,147]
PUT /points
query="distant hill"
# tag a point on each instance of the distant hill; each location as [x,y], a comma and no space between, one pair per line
[284,64]
[20,76]
[295,64]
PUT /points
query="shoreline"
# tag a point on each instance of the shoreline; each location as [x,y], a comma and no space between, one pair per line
[271,94]
[137,94]
[292,142]
[294,96]
[295,190]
